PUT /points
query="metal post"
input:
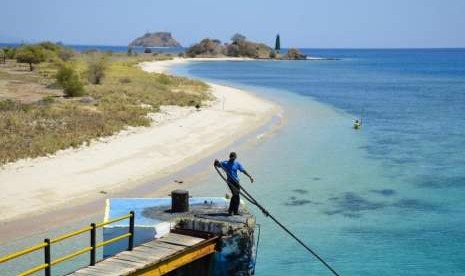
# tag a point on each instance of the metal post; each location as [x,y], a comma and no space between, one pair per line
[131,230]
[179,201]
[93,242]
[47,258]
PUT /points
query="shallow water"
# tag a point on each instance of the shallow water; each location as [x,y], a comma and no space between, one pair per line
[384,200]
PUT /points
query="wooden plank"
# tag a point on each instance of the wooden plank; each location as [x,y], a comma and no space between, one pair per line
[78,272]
[159,255]
[123,262]
[180,239]
[134,258]
[117,271]
[129,264]
[184,237]
[164,247]
[84,271]
[124,254]
[170,264]
[158,244]
[92,270]
[113,261]
[160,251]
[155,257]
[144,259]
[143,253]
[150,255]
[119,268]
[98,270]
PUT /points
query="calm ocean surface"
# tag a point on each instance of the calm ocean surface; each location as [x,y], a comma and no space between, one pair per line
[388,199]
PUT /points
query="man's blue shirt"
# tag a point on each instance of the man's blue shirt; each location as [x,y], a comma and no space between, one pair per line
[231,168]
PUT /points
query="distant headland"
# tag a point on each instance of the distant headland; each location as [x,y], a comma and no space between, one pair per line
[157,39]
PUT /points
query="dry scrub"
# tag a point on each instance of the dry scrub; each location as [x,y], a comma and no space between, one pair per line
[124,98]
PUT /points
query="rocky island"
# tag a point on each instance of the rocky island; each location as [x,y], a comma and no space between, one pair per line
[158,39]
[240,46]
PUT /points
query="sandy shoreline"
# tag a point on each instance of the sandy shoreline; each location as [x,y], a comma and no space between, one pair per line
[178,138]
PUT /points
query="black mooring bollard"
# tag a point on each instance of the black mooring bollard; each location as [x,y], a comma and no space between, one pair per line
[179,201]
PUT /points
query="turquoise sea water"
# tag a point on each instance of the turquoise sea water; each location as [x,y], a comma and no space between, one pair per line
[385,200]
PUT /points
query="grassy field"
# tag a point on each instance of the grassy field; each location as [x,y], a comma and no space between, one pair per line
[36,120]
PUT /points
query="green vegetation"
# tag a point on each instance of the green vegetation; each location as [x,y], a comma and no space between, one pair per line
[68,79]
[96,70]
[10,53]
[206,47]
[31,54]
[2,56]
[245,48]
[40,124]
[239,47]
[38,53]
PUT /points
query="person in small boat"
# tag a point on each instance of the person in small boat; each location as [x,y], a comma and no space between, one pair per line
[231,167]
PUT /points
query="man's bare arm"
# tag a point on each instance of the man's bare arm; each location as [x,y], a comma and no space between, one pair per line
[246,173]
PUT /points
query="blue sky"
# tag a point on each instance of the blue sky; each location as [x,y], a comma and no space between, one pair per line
[311,23]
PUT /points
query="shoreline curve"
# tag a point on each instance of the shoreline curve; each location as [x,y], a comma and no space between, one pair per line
[120,163]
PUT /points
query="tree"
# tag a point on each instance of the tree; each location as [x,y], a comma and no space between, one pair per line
[277,45]
[236,38]
[54,47]
[2,56]
[96,71]
[232,50]
[206,47]
[68,79]
[30,54]
[10,53]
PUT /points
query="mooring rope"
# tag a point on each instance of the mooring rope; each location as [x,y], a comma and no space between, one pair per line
[253,201]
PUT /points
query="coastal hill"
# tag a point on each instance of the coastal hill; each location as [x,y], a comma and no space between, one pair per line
[158,39]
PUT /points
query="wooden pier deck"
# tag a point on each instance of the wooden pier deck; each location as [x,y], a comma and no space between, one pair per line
[201,241]
[153,258]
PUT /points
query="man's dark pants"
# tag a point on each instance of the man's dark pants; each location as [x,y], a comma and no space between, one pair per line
[235,199]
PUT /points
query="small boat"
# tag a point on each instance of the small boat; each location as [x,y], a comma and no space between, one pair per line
[357,124]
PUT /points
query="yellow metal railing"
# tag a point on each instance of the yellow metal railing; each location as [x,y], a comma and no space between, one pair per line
[48,262]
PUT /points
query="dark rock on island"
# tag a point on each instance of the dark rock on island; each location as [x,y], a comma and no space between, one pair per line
[158,39]
[238,47]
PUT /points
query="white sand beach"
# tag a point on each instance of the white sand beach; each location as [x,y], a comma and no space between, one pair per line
[178,137]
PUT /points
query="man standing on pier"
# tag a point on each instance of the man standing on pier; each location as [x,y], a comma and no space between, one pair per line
[231,167]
